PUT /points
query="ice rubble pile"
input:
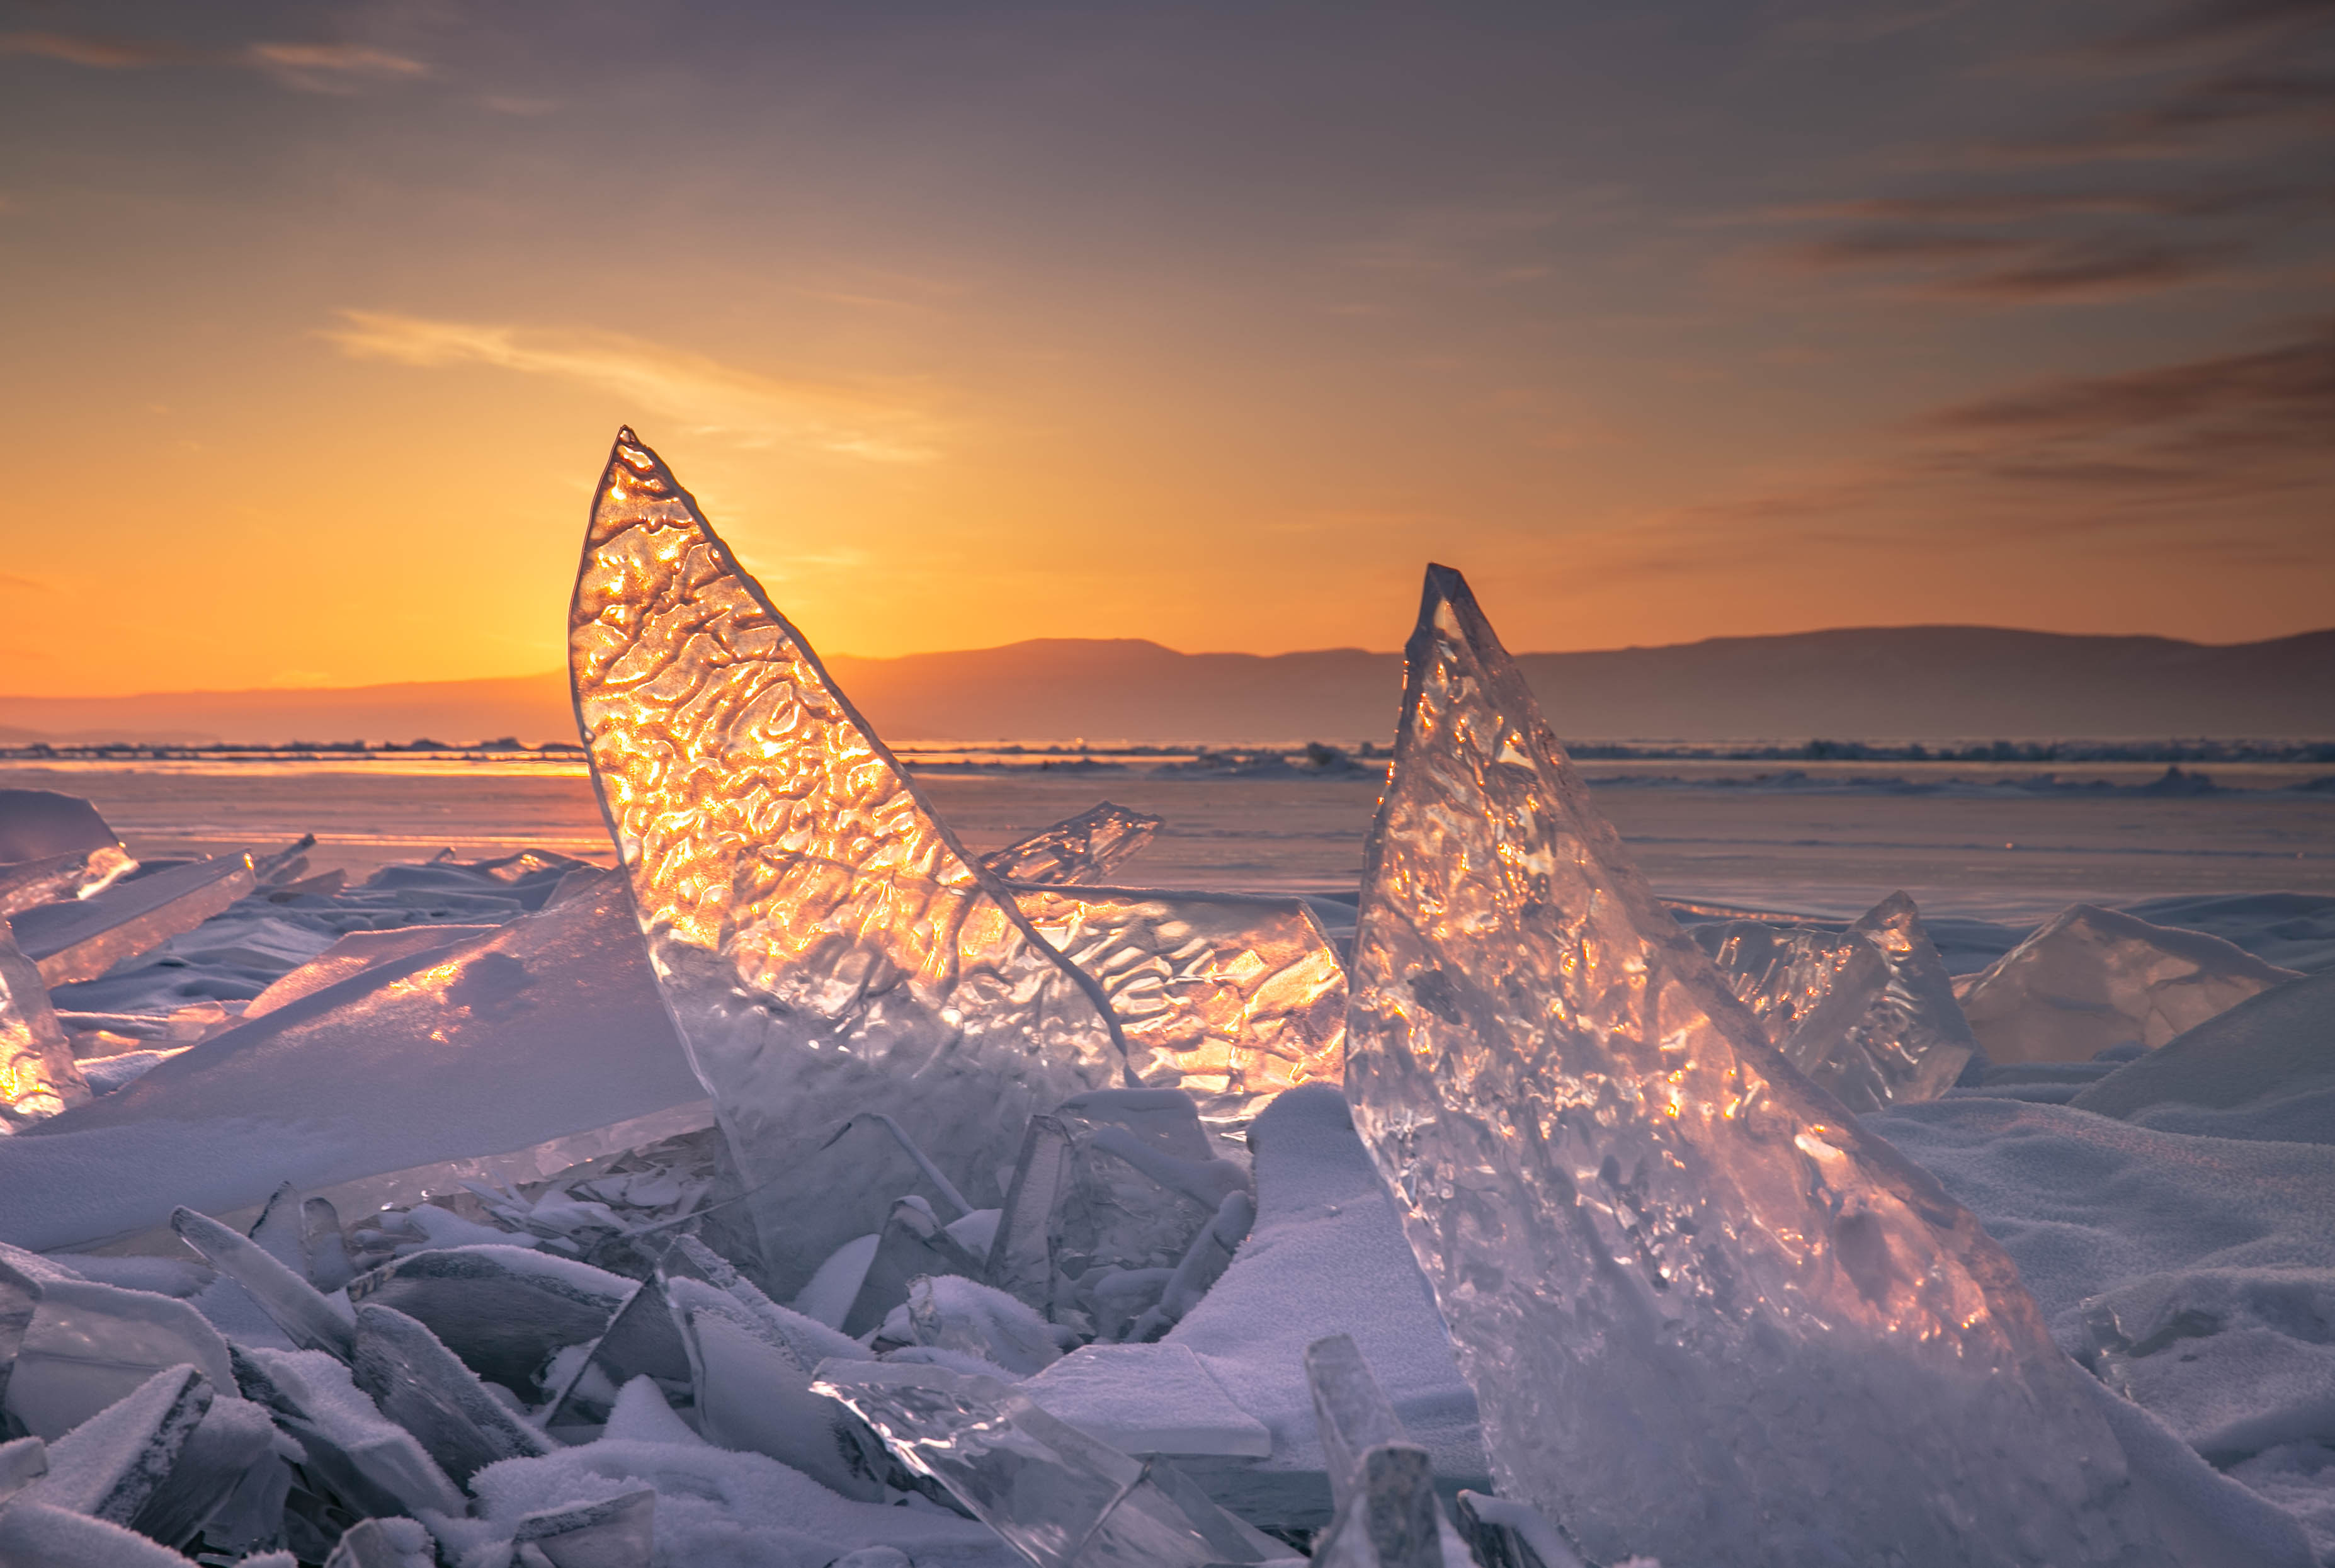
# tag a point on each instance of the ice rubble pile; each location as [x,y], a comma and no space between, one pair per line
[1083,1260]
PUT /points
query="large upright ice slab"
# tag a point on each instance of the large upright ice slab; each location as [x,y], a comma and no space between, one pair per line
[1084,849]
[1705,1318]
[38,1077]
[2090,979]
[825,945]
[1231,997]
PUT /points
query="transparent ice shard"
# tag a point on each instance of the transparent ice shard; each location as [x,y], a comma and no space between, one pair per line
[1231,997]
[384,1543]
[421,1385]
[753,1392]
[1059,1497]
[615,1533]
[1868,1014]
[372,1464]
[1382,1484]
[38,1535]
[1084,849]
[502,1310]
[212,1474]
[298,1308]
[824,943]
[1705,1317]
[912,1244]
[82,938]
[61,877]
[2090,979]
[951,1312]
[38,1076]
[88,1345]
[42,824]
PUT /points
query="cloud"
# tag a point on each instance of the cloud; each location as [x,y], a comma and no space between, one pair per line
[334,68]
[2001,270]
[97,53]
[711,398]
[2015,207]
[2217,23]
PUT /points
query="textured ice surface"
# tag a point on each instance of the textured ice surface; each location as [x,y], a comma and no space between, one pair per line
[1060,1496]
[1704,1317]
[111,1463]
[2090,979]
[1084,849]
[1231,997]
[82,938]
[424,1387]
[548,1026]
[38,1077]
[1868,1014]
[374,1463]
[2264,1069]
[824,943]
[503,1310]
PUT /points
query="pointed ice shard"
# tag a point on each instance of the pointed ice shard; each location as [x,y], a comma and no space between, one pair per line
[234,1438]
[1868,1014]
[309,1320]
[38,1075]
[912,1244]
[1232,997]
[753,1392]
[60,878]
[1705,1317]
[2090,979]
[824,943]
[112,1463]
[1059,1497]
[424,1387]
[81,939]
[371,1463]
[1084,849]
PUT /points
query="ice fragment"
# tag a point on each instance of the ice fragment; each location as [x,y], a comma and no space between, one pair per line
[616,1532]
[824,943]
[384,1543]
[43,824]
[953,1314]
[36,1535]
[1056,1494]
[1704,1316]
[307,1318]
[23,1461]
[88,1345]
[81,939]
[424,1387]
[2091,978]
[912,1244]
[754,1393]
[371,1463]
[38,1076]
[222,1482]
[112,1463]
[61,877]
[502,1310]
[1084,849]
[1505,1533]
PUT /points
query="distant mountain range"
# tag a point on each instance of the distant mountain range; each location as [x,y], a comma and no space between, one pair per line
[1903,683]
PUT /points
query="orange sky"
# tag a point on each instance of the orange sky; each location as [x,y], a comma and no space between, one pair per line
[1203,324]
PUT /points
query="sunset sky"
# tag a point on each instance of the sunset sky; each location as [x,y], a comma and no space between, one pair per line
[1203,323]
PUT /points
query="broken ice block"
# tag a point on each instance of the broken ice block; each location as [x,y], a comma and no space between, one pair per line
[356,953]
[1868,1014]
[753,1392]
[502,1310]
[1232,997]
[113,1462]
[824,943]
[1056,1494]
[89,1345]
[1116,1180]
[82,938]
[213,1474]
[424,1387]
[1084,849]
[61,877]
[1706,1317]
[912,1244]
[384,1543]
[36,1535]
[38,1078]
[42,825]
[614,1533]
[310,1320]
[951,1312]
[23,1461]
[2090,979]
[1390,1521]
[371,1463]
[1505,1533]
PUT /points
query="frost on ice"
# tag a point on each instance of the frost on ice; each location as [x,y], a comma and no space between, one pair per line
[1705,1318]
[824,943]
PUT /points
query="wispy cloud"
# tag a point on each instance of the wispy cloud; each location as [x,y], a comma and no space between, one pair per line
[98,53]
[334,68]
[883,424]
[1999,270]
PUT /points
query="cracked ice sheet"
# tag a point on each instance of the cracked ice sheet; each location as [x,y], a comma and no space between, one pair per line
[1706,1319]
[824,943]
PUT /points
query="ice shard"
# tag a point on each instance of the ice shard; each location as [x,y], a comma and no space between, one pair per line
[424,1387]
[824,943]
[111,1465]
[1084,849]
[613,1532]
[59,878]
[1060,1498]
[88,1345]
[366,1460]
[1705,1317]
[2090,979]
[502,1310]
[82,938]
[1231,997]
[308,1318]
[38,1077]
[1868,1014]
